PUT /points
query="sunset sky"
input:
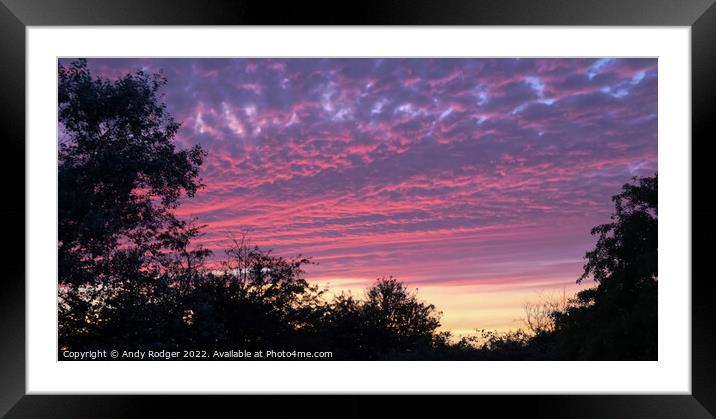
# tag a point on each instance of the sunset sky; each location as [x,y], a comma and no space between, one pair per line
[476,181]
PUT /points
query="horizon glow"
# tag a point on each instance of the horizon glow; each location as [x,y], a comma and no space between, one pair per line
[476,181]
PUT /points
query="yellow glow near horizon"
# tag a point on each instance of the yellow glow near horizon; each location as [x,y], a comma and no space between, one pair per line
[468,308]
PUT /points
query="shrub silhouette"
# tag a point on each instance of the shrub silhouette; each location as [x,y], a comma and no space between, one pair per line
[389,323]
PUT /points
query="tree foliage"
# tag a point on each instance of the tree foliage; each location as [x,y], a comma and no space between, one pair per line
[120,176]
[390,322]
[617,319]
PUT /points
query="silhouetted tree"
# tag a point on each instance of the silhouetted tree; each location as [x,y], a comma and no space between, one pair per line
[120,175]
[256,300]
[390,323]
[618,318]
[539,315]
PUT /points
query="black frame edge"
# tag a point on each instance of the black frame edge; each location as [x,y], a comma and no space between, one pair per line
[365,12]
[15,15]
[12,297]
[703,107]
[553,407]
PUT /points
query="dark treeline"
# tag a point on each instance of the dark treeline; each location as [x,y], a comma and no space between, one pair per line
[130,277]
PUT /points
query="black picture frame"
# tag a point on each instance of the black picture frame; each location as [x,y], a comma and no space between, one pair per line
[16,15]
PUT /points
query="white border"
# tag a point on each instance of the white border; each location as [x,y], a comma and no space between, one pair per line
[671,374]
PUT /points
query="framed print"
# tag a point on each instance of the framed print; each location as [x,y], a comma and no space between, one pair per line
[422,200]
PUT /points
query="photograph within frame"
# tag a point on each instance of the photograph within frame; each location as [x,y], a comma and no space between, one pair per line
[475,179]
